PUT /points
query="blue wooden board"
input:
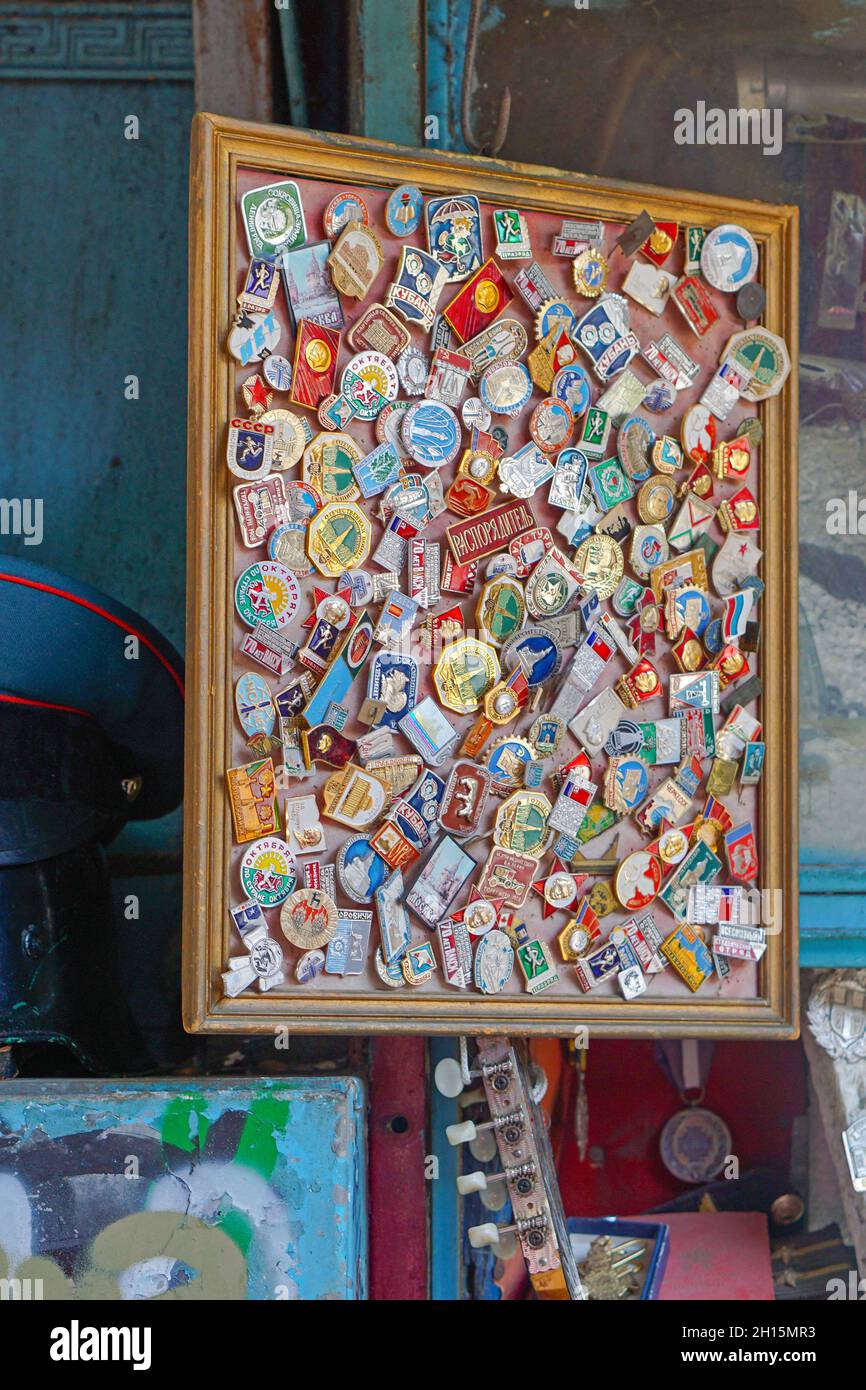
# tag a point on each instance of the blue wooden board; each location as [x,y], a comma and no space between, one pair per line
[252,1189]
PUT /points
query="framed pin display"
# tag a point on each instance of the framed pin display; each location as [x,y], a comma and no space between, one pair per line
[492,598]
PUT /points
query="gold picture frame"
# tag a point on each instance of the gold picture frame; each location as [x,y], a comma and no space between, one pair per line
[220,147]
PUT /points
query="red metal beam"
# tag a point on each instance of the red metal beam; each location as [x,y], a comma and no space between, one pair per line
[398,1186]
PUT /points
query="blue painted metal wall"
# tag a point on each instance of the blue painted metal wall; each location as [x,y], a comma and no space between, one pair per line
[220,1190]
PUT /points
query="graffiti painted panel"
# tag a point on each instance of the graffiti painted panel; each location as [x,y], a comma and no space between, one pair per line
[178,1190]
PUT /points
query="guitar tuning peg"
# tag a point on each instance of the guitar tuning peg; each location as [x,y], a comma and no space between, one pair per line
[477,1182]
[533,1230]
[510,1126]
[522,1177]
[448,1077]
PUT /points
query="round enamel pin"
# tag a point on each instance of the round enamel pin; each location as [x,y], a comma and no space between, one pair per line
[268,872]
[536,651]
[638,880]
[277,372]
[344,207]
[729,258]
[551,424]
[289,437]
[404,210]
[600,560]
[431,433]
[308,918]
[267,593]
[479,917]
[590,271]
[505,387]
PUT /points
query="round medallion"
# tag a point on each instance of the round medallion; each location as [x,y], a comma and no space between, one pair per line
[572,386]
[479,917]
[600,560]
[505,387]
[404,209]
[308,918]
[344,207]
[638,879]
[656,500]
[390,973]
[551,424]
[277,372]
[370,381]
[590,272]
[289,437]
[268,872]
[729,258]
[267,593]
[694,1145]
[521,823]
[431,433]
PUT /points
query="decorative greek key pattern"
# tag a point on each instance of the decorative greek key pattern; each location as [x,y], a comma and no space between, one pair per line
[94,42]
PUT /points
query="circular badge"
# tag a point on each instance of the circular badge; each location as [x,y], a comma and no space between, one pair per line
[763,357]
[413,369]
[479,917]
[536,651]
[431,433]
[713,637]
[505,387]
[254,704]
[494,962]
[308,918]
[551,424]
[656,499]
[590,272]
[694,1145]
[634,444]
[268,872]
[729,258]
[277,372]
[673,846]
[600,560]
[560,890]
[638,879]
[389,972]
[344,207]
[750,302]
[370,381]
[360,870]
[289,437]
[389,424]
[474,414]
[572,386]
[404,209]
[287,544]
[267,593]
[625,738]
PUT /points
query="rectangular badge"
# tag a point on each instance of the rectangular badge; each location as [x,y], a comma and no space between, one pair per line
[477,537]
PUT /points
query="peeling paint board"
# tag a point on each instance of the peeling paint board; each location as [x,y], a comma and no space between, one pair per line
[386,44]
[251,1189]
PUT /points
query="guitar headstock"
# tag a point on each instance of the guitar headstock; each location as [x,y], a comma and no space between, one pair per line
[528,1171]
